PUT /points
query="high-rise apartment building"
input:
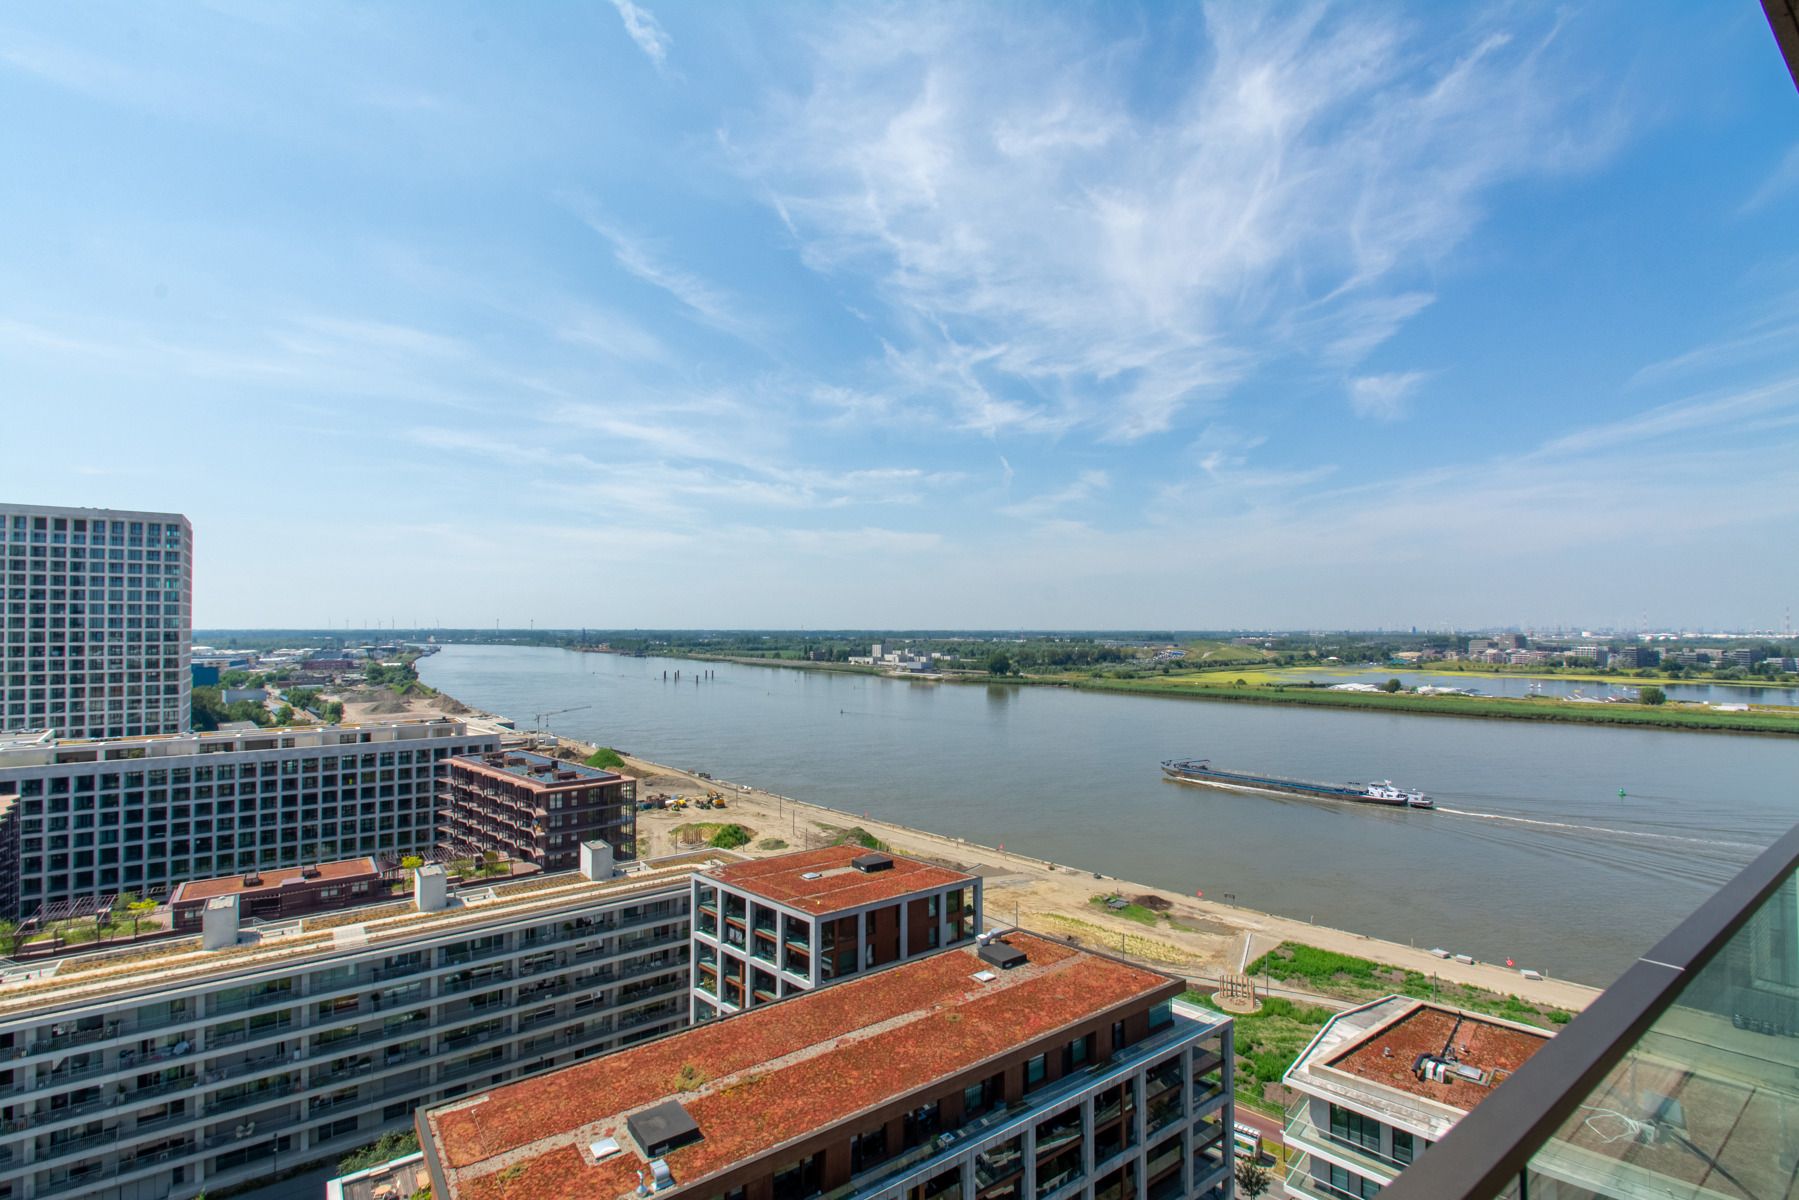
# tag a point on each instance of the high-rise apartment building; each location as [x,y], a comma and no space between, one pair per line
[98,621]
[534,808]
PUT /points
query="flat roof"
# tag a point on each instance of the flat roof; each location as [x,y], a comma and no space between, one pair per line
[518,764]
[836,885]
[109,978]
[274,880]
[1387,1054]
[763,1078]
[1366,1058]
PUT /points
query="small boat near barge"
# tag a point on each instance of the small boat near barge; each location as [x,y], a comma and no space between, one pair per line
[1383,792]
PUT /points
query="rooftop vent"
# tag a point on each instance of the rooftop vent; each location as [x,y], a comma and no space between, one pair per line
[604,1149]
[663,1128]
[309,872]
[253,879]
[870,863]
[1003,956]
[812,874]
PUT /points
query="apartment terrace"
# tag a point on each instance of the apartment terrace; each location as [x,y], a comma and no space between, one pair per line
[44,751]
[825,881]
[143,971]
[773,1075]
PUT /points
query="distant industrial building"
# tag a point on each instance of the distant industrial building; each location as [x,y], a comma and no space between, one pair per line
[534,808]
[768,928]
[1021,1069]
[1382,1083]
[98,621]
[94,819]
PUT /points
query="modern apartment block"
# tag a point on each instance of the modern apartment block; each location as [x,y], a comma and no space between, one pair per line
[1067,1074]
[172,1070]
[98,621]
[141,814]
[767,928]
[534,808]
[1382,1083]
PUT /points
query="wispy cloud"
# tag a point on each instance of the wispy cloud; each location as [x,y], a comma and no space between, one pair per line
[1085,487]
[1384,397]
[645,30]
[640,257]
[1055,253]
[1783,179]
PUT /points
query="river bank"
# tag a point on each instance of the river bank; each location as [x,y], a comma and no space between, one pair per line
[1260,687]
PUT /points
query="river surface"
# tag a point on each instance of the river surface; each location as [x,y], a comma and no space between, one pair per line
[1532,854]
[1523,685]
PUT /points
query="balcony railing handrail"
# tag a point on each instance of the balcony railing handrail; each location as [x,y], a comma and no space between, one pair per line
[1490,1146]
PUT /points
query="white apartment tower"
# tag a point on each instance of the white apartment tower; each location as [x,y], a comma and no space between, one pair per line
[98,621]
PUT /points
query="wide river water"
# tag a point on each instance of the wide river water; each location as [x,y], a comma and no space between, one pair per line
[1531,855]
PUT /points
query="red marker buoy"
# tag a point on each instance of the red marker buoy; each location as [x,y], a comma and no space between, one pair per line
[1199,893]
[1510,963]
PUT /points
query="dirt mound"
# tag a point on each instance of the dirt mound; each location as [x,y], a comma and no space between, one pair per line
[1153,903]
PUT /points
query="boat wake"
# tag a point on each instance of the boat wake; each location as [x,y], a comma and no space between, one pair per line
[1572,827]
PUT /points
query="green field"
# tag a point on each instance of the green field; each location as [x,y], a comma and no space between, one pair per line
[1265,689]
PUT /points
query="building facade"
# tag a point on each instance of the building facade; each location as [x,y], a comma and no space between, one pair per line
[1066,1075]
[768,928]
[98,622]
[143,814]
[534,808]
[1382,1083]
[184,1070]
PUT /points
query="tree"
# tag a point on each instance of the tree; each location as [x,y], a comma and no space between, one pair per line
[1392,685]
[1252,1178]
[1649,694]
[411,862]
[9,938]
[999,663]
[388,1148]
[284,715]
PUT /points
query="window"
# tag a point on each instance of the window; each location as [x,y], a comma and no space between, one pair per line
[1349,1183]
[1352,1128]
[1036,1071]
[798,1180]
[867,1149]
[1403,1147]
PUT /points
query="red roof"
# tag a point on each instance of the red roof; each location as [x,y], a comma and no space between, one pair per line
[838,885]
[230,885]
[756,1081]
[1386,1054]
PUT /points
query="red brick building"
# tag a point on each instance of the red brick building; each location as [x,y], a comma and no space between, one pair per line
[534,809]
[278,894]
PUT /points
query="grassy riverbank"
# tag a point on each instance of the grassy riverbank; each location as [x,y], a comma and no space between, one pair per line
[1536,708]
[1274,685]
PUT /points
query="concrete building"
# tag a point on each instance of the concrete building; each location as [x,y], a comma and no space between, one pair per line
[142,814]
[170,1070]
[98,621]
[767,928]
[535,808]
[951,1077]
[280,895]
[1382,1083]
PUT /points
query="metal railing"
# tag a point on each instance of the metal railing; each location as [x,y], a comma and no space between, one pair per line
[1489,1150]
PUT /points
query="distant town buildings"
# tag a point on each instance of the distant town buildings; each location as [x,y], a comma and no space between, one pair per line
[99,619]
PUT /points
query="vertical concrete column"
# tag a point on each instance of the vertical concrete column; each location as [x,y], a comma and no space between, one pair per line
[905,937]
[814,939]
[1087,1155]
[861,941]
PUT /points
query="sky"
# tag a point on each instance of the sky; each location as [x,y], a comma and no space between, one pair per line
[988,315]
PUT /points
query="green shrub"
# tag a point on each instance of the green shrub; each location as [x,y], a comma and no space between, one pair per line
[729,837]
[605,758]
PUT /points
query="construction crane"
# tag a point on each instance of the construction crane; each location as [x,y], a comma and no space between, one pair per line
[544,716]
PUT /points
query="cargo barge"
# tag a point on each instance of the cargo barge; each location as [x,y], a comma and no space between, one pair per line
[1382,792]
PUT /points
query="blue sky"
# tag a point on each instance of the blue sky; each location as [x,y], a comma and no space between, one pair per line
[991,315]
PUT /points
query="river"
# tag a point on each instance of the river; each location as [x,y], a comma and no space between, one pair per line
[1531,855]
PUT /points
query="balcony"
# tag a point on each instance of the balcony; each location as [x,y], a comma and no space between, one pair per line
[1303,1132]
[1681,1079]
[1301,1182]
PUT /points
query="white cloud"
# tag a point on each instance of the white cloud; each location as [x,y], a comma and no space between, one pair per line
[705,300]
[1085,487]
[645,30]
[1782,179]
[1383,397]
[1056,252]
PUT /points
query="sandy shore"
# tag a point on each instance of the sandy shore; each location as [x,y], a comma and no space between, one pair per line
[1203,940]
